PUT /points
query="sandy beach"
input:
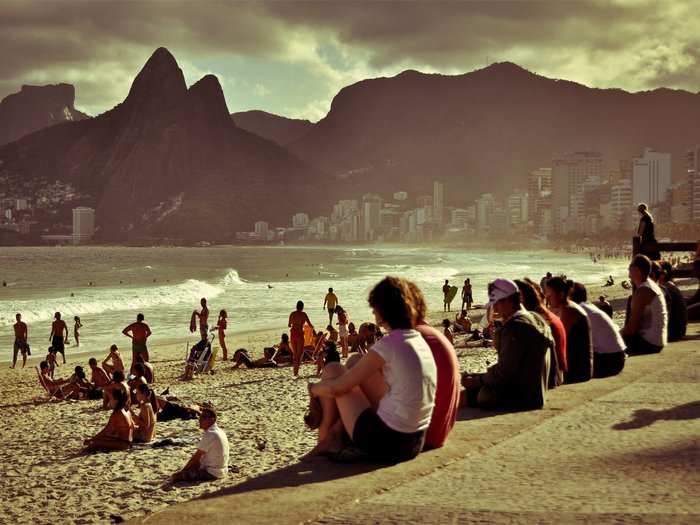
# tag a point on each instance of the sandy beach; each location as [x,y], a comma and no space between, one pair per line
[261,411]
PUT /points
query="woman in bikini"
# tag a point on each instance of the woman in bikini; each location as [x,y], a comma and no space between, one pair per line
[343,329]
[221,326]
[297,320]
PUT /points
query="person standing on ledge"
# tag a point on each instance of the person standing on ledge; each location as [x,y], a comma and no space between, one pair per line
[139,333]
[58,341]
[445,291]
[330,302]
[20,341]
[645,231]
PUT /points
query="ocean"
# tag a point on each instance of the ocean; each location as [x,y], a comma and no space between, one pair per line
[258,286]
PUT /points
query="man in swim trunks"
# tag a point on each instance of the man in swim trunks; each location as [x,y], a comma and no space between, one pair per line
[467,298]
[203,315]
[445,291]
[330,302]
[58,341]
[139,333]
[20,341]
[99,377]
[297,320]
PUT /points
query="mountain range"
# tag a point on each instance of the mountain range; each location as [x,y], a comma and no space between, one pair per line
[36,107]
[485,131]
[170,161]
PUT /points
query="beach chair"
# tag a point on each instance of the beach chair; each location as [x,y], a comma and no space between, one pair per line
[199,357]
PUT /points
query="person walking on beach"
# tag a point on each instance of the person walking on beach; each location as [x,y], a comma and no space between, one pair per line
[139,333]
[76,330]
[297,320]
[330,302]
[20,345]
[221,325]
[445,291]
[203,316]
[467,298]
[58,341]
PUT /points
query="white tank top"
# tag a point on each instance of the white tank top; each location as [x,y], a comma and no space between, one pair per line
[654,317]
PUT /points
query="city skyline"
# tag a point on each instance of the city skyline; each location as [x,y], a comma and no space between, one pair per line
[292,58]
[573,195]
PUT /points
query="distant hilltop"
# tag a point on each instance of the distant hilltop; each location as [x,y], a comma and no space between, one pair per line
[36,107]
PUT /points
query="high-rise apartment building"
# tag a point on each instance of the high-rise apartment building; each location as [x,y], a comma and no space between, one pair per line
[569,173]
[438,201]
[693,171]
[371,206]
[485,205]
[261,229]
[83,224]
[539,189]
[300,220]
[651,177]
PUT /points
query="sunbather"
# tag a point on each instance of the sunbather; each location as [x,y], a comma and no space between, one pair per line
[145,419]
[118,434]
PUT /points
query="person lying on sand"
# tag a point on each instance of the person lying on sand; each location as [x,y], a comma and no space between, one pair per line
[210,461]
[145,419]
[118,434]
[113,361]
[242,357]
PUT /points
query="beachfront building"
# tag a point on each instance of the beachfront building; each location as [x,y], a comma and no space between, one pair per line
[570,172]
[485,206]
[622,211]
[300,220]
[83,224]
[678,201]
[651,177]
[517,211]
[693,171]
[371,206]
[438,201]
[261,229]
[539,190]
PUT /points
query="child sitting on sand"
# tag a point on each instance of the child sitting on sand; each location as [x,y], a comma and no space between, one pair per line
[448,331]
[113,361]
[51,361]
[332,333]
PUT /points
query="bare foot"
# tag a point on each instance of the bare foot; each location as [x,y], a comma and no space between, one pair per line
[324,448]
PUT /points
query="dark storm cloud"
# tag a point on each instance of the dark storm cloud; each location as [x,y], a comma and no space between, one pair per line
[99,46]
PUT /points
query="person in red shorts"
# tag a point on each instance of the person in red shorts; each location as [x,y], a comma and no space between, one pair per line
[448,376]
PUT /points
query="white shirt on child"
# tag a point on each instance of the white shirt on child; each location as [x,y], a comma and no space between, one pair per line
[410,373]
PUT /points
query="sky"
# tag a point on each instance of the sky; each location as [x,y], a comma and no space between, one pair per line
[291,58]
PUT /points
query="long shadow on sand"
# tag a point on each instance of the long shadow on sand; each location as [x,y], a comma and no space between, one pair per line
[645,417]
[315,471]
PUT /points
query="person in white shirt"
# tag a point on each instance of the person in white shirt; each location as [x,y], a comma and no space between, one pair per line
[210,461]
[645,331]
[385,401]
[608,346]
